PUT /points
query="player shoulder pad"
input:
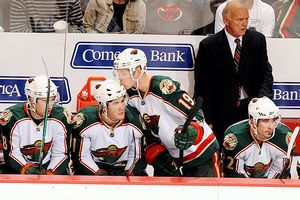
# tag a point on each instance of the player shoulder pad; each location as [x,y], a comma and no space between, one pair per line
[282,136]
[5,117]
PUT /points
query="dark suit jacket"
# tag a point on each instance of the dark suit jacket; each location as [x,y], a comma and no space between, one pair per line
[216,81]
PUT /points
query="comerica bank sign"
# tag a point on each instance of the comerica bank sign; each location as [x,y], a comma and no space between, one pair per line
[12,89]
[287,95]
[160,56]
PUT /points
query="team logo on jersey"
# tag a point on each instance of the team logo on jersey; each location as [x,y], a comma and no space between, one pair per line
[78,120]
[110,154]
[167,86]
[258,170]
[5,117]
[32,151]
[288,139]
[230,141]
[68,116]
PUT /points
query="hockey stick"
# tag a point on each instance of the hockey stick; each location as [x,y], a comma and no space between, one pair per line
[193,112]
[289,150]
[45,119]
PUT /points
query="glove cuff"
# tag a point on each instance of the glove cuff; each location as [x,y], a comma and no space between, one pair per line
[152,152]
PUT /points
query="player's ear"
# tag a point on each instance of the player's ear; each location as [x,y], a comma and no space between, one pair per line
[138,71]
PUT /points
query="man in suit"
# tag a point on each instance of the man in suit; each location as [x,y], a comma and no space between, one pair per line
[226,81]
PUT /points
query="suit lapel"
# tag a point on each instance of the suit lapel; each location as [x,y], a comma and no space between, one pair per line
[226,52]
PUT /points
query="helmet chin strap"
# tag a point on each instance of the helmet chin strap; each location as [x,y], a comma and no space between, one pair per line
[32,108]
[105,114]
[256,134]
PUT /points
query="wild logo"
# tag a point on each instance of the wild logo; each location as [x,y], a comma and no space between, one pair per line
[110,154]
[230,141]
[169,13]
[258,170]
[32,151]
[167,86]
[5,117]
[78,120]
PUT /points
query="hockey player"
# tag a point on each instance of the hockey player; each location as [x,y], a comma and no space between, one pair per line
[108,137]
[164,108]
[22,130]
[257,147]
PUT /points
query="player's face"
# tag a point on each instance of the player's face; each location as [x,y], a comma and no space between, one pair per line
[116,108]
[265,127]
[125,78]
[40,106]
[237,22]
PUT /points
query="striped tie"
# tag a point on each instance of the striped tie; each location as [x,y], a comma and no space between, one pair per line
[237,54]
[236,60]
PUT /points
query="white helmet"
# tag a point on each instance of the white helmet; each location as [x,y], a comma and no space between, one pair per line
[130,59]
[108,90]
[263,108]
[37,87]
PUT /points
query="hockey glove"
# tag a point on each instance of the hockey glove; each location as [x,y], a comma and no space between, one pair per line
[184,140]
[161,160]
[101,172]
[30,168]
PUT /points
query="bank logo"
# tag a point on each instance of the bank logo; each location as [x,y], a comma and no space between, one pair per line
[101,55]
[12,89]
[287,95]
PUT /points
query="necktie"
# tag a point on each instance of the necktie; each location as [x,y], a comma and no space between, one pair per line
[236,60]
[237,54]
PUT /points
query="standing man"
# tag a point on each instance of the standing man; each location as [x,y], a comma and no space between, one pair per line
[22,126]
[257,147]
[261,16]
[108,138]
[231,68]
[164,108]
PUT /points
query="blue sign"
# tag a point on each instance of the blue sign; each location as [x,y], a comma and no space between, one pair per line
[160,56]
[12,89]
[287,95]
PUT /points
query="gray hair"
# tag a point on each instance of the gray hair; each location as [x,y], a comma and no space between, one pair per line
[233,4]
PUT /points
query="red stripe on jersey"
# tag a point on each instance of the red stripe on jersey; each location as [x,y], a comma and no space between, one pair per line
[201,148]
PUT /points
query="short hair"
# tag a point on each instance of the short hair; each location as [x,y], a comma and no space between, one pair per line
[233,4]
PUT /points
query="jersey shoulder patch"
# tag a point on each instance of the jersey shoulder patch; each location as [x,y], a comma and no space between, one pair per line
[78,120]
[68,116]
[5,117]
[230,141]
[167,86]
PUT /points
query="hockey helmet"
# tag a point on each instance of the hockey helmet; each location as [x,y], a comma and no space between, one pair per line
[37,87]
[131,59]
[108,90]
[263,108]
